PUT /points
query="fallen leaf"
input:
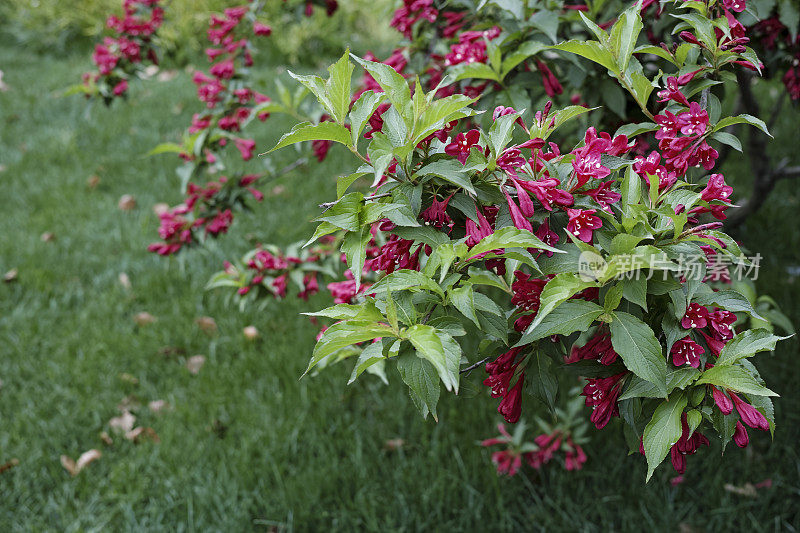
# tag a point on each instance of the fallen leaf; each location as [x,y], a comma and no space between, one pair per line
[195,363]
[11,275]
[277,190]
[207,324]
[250,333]
[167,75]
[157,405]
[3,168]
[129,378]
[393,444]
[745,490]
[48,237]
[75,467]
[150,71]
[3,85]
[126,202]
[144,319]
[125,281]
[160,208]
[9,465]
[106,438]
[93,181]
[137,435]
[122,423]
[129,403]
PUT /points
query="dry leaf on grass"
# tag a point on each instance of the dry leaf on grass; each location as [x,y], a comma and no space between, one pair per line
[195,363]
[122,423]
[129,378]
[126,202]
[3,85]
[393,444]
[75,467]
[48,236]
[207,324]
[158,405]
[9,465]
[144,319]
[125,281]
[11,275]
[106,438]
[250,333]
[160,208]
[93,181]
[139,434]
[167,75]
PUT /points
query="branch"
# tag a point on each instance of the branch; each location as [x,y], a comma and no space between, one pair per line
[474,366]
[373,197]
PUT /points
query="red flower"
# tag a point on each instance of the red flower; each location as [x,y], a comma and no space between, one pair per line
[686,352]
[724,403]
[245,147]
[582,223]
[601,395]
[696,316]
[261,29]
[749,414]
[436,215]
[740,436]
[462,144]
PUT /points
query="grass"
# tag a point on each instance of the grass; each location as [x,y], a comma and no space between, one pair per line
[246,446]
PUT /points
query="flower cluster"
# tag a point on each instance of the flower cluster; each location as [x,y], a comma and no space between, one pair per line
[544,449]
[206,211]
[122,56]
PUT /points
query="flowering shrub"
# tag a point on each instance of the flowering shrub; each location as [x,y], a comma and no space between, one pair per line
[491,243]
[125,55]
[507,225]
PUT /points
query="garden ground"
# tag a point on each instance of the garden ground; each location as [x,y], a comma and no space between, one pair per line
[245,444]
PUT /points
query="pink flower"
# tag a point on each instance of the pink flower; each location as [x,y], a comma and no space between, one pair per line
[436,215]
[246,147]
[604,196]
[716,189]
[460,147]
[511,404]
[749,414]
[546,235]
[223,70]
[601,395]
[740,436]
[696,316]
[721,323]
[120,88]
[686,352]
[551,84]
[507,462]
[582,223]
[694,121]
[587,163]
[724,404]
[261,29]
[734,5]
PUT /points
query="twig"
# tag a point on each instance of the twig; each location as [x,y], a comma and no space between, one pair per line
[373,197]
[474,366]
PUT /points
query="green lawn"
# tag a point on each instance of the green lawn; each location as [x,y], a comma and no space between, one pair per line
[246,445]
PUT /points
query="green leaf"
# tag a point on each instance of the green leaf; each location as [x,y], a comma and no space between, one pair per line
[370,355]
[510,237]
[663,430]
[357,312]
[641,352]
[501,131]
[547,23]
[591,50]
[164,148]
[392,83]
[478,71]
[363,109]
[438,113]
[345,334]
[463,299]
[440,349]
[676,378]
[354,247]
[305,131]
[558,290]
[326,228]
[789,17]
[420,376]
[542,380]
[313,83]
[449,170]
[524,51]
[624,34]
[613,297]
[344,182]
[742,119]
[746,344]
[400,280]
[734,377]
[338,87]
[345,212]
[570,316]
[727,299]
[635,290]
